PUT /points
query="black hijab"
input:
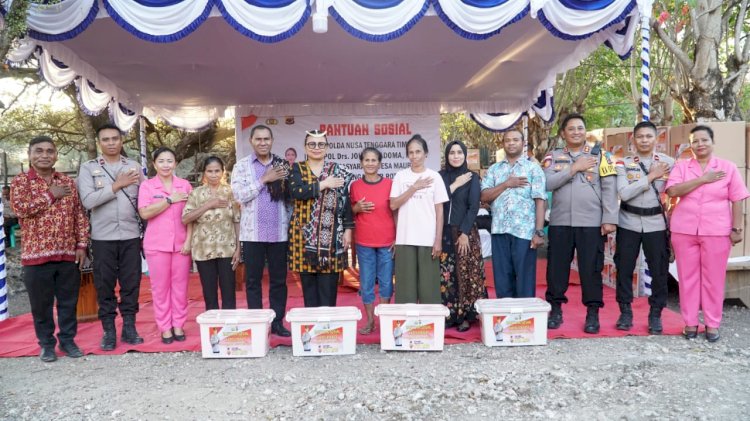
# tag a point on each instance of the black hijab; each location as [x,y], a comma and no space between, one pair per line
[450,173]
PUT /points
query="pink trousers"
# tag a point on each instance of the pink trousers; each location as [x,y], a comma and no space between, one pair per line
[169,284]
[701,266]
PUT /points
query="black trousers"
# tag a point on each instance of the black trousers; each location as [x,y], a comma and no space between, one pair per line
[256,254]
[46,283]
[320,289]
[657,257]
[117,261]
[589,243]
[217,274]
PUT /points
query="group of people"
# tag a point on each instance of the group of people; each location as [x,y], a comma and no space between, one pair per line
[420,227]
[703,225]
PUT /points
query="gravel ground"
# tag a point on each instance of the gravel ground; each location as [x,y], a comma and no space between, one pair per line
[631,378]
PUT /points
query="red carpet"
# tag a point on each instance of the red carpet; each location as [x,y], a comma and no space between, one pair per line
[17,334]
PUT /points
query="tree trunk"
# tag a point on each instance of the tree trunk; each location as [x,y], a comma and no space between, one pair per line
[709,93]
[14,25]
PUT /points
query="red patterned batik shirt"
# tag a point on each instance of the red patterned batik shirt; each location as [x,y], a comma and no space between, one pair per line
[52,228]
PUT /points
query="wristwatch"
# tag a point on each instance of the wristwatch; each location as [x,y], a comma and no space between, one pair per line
[737,230]
[169,200]
[539,233]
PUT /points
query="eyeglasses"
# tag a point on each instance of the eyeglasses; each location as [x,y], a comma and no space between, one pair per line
[318,145]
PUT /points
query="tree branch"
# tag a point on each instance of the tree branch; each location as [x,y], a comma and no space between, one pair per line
[51,130]
[741,71]
[680,55]
[15,99]
[738,50]
[741,17]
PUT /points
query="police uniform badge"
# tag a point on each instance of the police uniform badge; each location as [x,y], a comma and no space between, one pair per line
[547,161]
[605,165]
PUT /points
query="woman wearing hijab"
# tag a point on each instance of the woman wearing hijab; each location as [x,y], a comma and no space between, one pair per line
[461,264]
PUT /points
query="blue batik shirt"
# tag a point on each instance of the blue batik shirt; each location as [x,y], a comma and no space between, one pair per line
[514,211]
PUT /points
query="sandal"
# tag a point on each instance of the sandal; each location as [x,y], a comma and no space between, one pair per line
[690,332]
[713,335]
[368,329]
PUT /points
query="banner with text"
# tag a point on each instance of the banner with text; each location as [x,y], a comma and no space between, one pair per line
[347,136]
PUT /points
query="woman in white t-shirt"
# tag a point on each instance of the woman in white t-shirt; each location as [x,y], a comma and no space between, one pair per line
[418,193]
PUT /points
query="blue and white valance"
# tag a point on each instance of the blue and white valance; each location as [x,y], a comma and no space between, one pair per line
[374,20]
[265,20]
[159,20]
[621,40]
[591,22]
[56,73]
[579,19]
[92,100]
[122,116]
[500,122]
[480,19]
[60,21]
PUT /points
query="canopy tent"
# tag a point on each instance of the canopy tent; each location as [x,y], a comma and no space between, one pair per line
[187,61]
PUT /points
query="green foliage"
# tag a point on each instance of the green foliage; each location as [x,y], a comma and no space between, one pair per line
[19,125]
[15,19]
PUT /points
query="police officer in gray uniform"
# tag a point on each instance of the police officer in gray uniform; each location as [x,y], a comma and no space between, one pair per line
[108,186]
[584,210]
[640,181]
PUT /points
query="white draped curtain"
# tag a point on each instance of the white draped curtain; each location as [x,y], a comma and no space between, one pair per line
[269,21]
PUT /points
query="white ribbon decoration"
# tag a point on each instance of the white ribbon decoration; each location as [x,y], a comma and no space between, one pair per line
[377,21]
[187,118]
[160,21]
[548,111]
[21,51]
[622,44]
[55,76]
[481,20]
[581,22]
[121,119]
[57,18]
[93,101]
[265,21]
[497,122]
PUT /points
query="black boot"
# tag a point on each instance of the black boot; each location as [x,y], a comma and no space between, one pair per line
[625,322]
[109,340]
[129,334]
[654,321]
[555,316]
[592,320]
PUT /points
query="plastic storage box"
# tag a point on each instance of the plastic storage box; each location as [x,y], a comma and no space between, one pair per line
[320,331]
[412,327]
[235,333]
[513,321]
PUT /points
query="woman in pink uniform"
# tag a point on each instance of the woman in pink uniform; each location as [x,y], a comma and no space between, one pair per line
[160,202]
[705,224]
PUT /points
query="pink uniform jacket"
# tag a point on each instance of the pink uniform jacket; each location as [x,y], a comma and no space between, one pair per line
[706,210]
[164,232]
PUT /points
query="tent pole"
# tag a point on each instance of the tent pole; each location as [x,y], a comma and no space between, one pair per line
[142,140]
[3,286]
[645,63]
[526,135]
